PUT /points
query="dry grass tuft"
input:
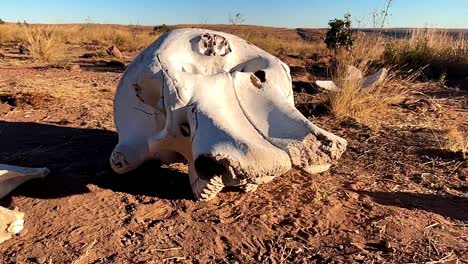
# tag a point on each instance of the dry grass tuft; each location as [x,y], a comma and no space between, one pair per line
[46,45]
[440,53]
[368,106]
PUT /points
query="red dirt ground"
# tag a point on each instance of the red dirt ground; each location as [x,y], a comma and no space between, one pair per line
[394,197]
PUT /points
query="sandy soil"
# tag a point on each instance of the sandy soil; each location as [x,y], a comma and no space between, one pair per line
[394,197]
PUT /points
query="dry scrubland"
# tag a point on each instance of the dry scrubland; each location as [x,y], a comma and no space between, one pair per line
[399,194]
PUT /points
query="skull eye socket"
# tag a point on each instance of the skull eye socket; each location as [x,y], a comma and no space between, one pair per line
[185,130]
[260,75]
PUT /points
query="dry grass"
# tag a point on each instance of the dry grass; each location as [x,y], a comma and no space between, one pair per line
[368,106]
[300,48]
[126,38]
[45,45]
[442,54]
[11,33]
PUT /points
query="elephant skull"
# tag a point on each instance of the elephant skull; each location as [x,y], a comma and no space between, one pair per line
[223,105]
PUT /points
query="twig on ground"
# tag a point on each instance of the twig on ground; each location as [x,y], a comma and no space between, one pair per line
[85,253]
[167,249]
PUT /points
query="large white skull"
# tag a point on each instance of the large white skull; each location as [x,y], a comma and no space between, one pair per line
[223,105]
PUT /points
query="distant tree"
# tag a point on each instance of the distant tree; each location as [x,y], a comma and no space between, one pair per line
[160,29]
[236,19]
[1,21]
[340,34]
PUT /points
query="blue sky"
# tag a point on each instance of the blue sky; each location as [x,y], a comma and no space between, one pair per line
[281,13]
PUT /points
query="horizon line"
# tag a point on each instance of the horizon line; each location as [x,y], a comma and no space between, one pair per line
[221,24]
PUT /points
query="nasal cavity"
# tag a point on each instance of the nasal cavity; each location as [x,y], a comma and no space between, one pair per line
[207,167]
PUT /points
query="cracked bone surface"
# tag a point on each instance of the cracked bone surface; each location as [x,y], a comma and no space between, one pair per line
[221,103]
[11,221]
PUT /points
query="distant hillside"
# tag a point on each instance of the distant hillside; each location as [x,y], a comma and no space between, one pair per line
[307,34]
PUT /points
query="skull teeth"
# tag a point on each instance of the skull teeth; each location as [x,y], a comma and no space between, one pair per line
[207,190]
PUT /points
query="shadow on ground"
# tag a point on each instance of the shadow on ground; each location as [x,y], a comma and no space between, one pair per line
[451,206]
[78,157]
[111,66]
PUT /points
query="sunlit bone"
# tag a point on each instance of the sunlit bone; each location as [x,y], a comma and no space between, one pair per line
[221,104]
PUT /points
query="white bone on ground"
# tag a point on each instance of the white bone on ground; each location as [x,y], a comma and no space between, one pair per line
[375,79]
[12,221]
[13,176]
[327,85]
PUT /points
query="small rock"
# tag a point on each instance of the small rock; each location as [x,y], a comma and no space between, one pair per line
[359,257]
[42,259]
[23,49]
[114,51]
[75,67]
[353,73]
[4,108]
[353,195]
[463,174]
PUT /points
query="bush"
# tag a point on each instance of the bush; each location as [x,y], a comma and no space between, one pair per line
[158,30]
[340,34]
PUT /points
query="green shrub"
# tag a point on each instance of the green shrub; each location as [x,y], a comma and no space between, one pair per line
[340,34]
